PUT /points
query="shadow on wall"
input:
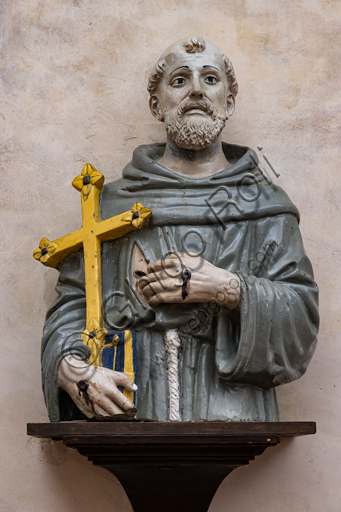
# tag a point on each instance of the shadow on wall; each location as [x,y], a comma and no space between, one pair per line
[239,489]
[79,484]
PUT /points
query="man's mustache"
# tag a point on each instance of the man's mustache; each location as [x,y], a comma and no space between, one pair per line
[203,104]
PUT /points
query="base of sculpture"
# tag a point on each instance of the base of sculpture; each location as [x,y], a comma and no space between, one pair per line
[170,466]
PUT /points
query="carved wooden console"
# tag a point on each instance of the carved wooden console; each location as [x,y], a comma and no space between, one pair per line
[170,466]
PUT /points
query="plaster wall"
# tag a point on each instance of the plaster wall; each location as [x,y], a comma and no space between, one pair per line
[73,90]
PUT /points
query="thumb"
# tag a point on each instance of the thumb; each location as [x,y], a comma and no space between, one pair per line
[122,379]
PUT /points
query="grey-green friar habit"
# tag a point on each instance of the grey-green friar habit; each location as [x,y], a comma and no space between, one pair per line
[230,361]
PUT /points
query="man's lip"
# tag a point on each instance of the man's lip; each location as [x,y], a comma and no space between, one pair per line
[196,110]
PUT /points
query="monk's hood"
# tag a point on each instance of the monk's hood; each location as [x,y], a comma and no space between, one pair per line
[239,192]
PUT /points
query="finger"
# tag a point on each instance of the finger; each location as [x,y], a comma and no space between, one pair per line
[162,279]
[152,289]
[141,283]
[83,407]
[122,379]
[167,263]
[151,278]
[89,414]
[168,298]
[156,288]
[102,413]
[154,266]
[104,399]
[110,407]
[122,401]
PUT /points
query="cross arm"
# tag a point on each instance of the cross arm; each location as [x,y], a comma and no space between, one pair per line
[118,226]
[52,253]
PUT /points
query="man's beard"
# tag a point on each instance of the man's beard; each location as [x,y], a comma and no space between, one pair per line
[195,134]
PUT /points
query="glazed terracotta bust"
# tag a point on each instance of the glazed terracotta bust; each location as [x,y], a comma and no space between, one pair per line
[211,326]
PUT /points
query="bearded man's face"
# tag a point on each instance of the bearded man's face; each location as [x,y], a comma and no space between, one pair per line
[194,99]
[191,131]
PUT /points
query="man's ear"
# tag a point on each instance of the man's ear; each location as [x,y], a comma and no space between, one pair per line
[154,105]
[230,105]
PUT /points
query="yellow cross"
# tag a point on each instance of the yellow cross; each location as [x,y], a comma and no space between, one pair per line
[90,236]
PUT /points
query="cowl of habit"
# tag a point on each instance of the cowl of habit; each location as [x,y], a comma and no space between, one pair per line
[230,361]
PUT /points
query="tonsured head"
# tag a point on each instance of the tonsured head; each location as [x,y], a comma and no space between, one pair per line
[192,90]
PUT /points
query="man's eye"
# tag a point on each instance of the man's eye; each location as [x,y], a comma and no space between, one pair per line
[211,80]
[178,81]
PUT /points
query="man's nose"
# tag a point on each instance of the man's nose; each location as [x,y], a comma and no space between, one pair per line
[196,92]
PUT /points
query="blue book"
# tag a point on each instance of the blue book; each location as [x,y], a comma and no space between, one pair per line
[119,354]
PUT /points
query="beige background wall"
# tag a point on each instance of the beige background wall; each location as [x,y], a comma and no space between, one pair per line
[73,90]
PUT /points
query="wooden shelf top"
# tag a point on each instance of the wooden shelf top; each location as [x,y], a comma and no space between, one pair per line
[59,430]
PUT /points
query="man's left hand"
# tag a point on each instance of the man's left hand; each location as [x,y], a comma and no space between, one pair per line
[182,278]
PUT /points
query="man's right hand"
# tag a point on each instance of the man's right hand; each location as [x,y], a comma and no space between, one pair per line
[94,389]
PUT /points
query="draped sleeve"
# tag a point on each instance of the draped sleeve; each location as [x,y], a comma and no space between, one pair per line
[274,336]
[65,321]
